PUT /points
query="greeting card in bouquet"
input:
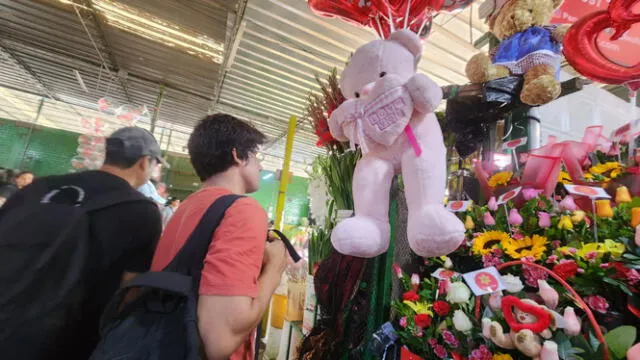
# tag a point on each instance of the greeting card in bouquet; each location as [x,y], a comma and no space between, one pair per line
[458,206]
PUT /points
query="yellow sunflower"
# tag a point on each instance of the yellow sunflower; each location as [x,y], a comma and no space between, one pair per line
[487,241]
[501,178]
[603,168]
[528,246]
[564,178]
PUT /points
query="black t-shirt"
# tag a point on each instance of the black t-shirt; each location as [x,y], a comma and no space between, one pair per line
[123,239]
[7,190]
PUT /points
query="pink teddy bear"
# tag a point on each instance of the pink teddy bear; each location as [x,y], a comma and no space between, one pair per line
[389,114]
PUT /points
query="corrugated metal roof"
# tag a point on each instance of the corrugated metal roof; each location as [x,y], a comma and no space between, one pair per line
[267,51]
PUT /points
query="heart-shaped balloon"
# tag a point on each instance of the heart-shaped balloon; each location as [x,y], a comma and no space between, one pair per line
[543,318]
[398,8]
[350,11]
[582,51]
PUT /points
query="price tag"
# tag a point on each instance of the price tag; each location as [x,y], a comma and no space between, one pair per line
[502,199]
[458,206]
[484,281]
[514,143]
[593,192]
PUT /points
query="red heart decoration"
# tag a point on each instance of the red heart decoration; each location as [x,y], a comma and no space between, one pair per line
[346,10]
[581,45]
[542,316]
[398,8]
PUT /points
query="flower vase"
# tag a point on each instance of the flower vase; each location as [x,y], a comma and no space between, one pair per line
[406,354]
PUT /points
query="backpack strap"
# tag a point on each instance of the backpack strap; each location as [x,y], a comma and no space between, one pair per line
[190,258]
[287,244]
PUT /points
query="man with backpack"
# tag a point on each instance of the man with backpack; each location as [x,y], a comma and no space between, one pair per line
[67,243]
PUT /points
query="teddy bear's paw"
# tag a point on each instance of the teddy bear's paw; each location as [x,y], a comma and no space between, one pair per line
[361,236]
[434,231]
[527,342]
[540,90]
[479,69]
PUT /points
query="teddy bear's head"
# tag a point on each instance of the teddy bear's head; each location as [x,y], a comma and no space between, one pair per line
[399,55]
[507,17]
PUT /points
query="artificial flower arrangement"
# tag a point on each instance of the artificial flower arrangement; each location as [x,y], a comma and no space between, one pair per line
[441,318]
[562,237]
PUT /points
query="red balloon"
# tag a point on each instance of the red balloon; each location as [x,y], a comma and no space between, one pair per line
[383,29]
[398,8]
[581,46]
[346,10]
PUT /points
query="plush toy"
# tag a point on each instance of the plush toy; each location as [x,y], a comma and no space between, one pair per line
[529,322]
[528,47]
[389,114]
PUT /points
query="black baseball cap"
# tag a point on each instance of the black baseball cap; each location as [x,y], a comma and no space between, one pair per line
[135,142]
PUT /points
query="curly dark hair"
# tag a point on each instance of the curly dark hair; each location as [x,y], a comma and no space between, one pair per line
[213,140]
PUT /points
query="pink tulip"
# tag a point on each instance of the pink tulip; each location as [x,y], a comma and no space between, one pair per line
[415,281]
[548,294]
[495,301]
[397,270]
[515,218]
[530,193]
[544,219]
[638,235]
[549,351]
[568,204]
[488,219]
[572,325]
[492,204]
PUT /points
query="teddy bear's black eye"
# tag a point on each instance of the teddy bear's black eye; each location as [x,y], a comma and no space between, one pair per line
[382,74]
[357,94]
[531,11]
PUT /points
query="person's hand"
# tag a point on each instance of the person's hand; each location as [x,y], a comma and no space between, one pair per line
[275,256]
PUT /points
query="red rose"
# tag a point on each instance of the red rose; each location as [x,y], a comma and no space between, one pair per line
[441,308]
[410,296]
[422,320]
[566,270]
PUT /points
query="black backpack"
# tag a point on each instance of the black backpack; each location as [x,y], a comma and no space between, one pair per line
[161,323]
[45,249]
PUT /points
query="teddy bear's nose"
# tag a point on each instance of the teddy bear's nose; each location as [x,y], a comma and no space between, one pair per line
[364,92]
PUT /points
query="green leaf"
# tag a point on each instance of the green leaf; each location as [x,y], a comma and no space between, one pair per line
[595,343]
[564,345]
[582,343]
[620,339]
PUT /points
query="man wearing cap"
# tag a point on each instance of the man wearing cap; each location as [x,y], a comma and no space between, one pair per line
[123,236]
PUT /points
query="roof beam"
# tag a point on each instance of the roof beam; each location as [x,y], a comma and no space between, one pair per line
[26,68]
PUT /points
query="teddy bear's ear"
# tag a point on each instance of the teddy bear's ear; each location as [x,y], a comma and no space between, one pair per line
[409,40]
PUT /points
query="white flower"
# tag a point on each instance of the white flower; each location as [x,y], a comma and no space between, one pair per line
[461,322]
[512,284]
[458,293]
[448,264]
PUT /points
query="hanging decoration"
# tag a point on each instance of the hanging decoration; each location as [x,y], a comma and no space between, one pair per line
[583,41]
[91,145]
[129,114]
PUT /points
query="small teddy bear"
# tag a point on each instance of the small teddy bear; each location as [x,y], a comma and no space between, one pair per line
[528,47]
[529,322]
[389,114]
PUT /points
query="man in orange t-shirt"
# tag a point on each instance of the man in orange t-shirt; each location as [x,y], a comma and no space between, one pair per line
[241,270]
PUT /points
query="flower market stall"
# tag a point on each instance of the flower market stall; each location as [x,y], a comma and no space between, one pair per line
[541,262]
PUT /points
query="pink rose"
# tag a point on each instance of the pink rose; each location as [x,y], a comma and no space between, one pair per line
[568,204]
[514,217]
[489,260]
[481,353]
[597,303]
[552,259]
[488,219]
[492,204]
[633,276]
[544,219]
[403,322]
[397,270]
[530,193]
[556,244]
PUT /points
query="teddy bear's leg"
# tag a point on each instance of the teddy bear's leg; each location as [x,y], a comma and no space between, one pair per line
[480,69]
[540,85]
[528,343]
[498,336]
[367,233]
[431,229]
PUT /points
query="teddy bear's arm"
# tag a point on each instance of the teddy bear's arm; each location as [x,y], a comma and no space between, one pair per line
[336,121]
[424,92]
[559,32]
